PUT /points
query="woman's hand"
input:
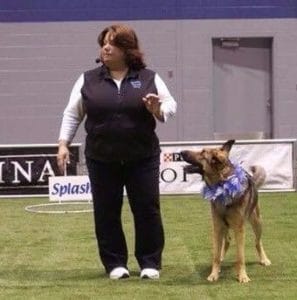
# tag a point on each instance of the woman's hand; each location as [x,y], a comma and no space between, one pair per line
[63,156]
[152,104]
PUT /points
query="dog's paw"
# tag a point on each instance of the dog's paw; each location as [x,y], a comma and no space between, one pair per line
[265,262]
[243,278]
[213,277]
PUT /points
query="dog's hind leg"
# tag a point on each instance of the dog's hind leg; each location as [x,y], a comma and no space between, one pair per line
[226,244]
[256,222]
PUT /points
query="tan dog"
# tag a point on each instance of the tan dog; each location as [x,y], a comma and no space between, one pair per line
[234,199]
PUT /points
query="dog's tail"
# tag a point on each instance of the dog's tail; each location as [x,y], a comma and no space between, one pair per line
[258,175]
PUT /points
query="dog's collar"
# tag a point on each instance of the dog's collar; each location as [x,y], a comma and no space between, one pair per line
[228,190]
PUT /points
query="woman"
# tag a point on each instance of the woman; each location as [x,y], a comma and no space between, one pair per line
[121,100]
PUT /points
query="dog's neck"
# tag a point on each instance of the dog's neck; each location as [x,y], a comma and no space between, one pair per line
[228,190]
[220,175]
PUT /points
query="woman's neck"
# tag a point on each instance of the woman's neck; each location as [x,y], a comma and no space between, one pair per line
[118,72]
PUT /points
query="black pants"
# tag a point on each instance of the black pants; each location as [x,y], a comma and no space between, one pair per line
[141,179]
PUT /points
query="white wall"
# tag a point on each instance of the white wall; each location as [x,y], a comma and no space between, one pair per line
[39,62]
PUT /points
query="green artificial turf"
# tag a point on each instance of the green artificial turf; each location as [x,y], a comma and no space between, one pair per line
[54,256]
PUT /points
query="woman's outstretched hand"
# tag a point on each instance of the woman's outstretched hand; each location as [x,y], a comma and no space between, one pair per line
[152,104]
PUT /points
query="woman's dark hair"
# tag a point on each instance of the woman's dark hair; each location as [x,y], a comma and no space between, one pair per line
[125,38]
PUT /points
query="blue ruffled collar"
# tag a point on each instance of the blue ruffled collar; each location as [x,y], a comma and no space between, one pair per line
[228,190]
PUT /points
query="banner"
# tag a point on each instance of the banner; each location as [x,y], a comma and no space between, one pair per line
[25,169]
[275,156]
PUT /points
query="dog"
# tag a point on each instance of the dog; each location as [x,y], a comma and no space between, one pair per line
[234,199]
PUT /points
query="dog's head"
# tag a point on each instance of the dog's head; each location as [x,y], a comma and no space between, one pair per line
[212,163]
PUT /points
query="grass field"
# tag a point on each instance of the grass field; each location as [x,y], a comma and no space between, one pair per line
[55,256]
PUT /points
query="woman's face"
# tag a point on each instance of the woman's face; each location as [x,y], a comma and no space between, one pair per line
[111,55]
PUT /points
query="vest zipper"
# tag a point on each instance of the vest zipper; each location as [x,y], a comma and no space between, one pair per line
[119,89]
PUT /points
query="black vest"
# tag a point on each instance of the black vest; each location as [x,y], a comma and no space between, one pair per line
[118,125]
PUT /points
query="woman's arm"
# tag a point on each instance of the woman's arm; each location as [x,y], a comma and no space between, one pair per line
[72,117]
[73,113]
[167,103]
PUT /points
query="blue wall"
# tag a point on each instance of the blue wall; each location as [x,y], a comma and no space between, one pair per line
[87,10]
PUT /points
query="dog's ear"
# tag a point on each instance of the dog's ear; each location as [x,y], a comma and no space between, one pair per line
[228,145]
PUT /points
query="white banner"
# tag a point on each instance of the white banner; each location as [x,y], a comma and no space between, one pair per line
[275,157]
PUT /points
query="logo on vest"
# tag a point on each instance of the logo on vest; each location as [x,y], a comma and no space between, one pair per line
[136,84]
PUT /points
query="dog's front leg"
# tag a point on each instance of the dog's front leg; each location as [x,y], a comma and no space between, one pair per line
[218,236]
[239,231]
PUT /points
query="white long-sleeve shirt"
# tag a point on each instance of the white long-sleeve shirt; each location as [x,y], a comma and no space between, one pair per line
[74,112]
